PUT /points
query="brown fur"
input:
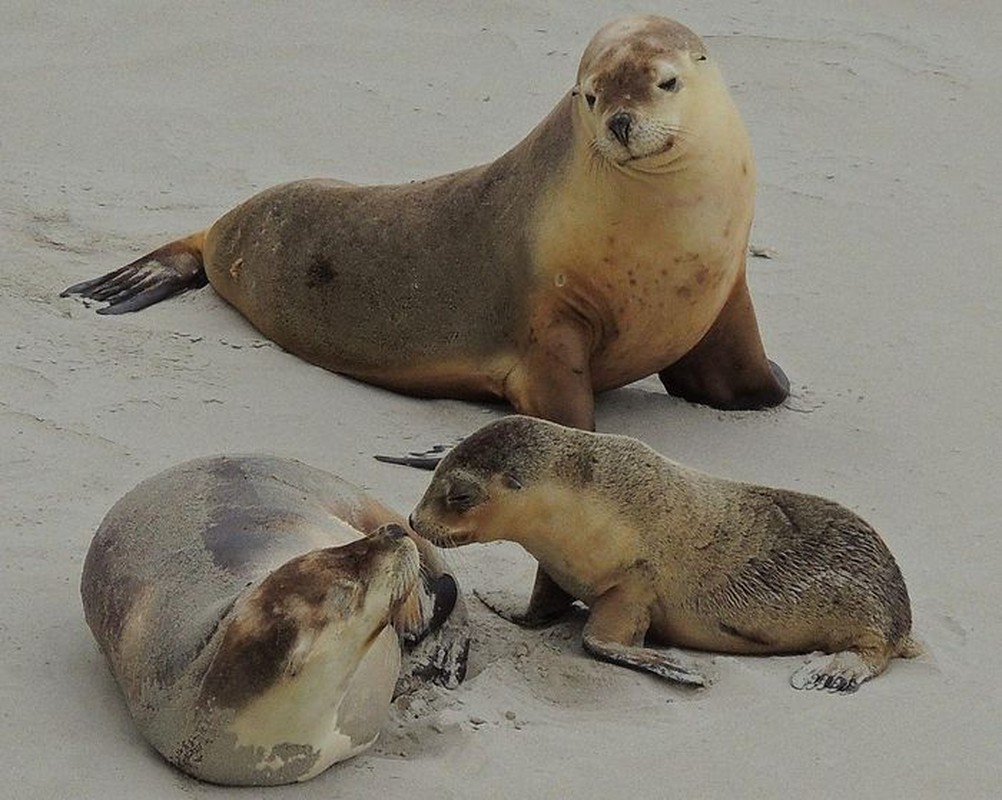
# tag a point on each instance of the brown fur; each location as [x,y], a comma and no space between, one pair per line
[226,588]
[657,549]
[571,264]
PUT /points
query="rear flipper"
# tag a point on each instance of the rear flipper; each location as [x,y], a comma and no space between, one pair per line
[424,459]
[841,673]
[168,270]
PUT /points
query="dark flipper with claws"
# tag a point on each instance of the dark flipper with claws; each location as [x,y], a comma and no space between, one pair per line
[437,649]
[427,459]
[423,459]
[167,271]
[440,653]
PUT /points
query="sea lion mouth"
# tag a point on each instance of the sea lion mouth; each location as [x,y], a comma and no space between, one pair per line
[616,153]
[664,148]
[659,152]
[401,559]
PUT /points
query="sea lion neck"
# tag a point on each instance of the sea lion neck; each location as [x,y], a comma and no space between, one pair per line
[547,146]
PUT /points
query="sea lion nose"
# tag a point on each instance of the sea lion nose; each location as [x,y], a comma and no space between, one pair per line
[620,126]
[393,531]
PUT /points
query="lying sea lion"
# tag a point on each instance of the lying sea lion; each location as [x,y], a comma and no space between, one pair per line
[247,606]
[606,246]
[657,549]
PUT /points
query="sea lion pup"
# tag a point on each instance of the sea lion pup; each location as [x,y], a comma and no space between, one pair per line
[247,605]
[655,548]
[606,246]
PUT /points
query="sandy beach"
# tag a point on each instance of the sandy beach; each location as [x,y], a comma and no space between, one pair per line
[876,130]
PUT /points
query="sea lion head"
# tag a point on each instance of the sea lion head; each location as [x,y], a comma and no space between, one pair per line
[306,665]
[636,84]
[332,599]
[469,497]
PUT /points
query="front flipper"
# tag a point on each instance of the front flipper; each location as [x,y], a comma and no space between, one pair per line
[728,369]
[437,645]
[443,593]
[615,632]
[167,271]
[547,604]
[553,381]
[440,657]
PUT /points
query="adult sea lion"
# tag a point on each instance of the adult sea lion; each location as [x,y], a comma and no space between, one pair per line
[657,549]
[247,606]
[608,245]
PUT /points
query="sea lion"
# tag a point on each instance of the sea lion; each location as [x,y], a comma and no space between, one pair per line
[247,606]
[656,548]
[608,245]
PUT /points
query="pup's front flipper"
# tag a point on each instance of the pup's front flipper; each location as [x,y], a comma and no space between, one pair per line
[615,632]
[547,604]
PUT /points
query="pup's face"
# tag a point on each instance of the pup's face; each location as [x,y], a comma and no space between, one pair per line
[478,491]
[461,506]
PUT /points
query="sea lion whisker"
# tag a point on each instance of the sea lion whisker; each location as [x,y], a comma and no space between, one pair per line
[596,161]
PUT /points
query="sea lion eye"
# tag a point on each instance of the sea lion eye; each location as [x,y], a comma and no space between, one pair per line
[669,85]
[512,482]
[460,501]
[462,495]
[701,57]
[590,100]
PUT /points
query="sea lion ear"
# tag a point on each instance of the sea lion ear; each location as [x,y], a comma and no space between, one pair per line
[512,482]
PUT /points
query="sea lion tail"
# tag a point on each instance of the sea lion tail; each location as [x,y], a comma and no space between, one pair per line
[168,270]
